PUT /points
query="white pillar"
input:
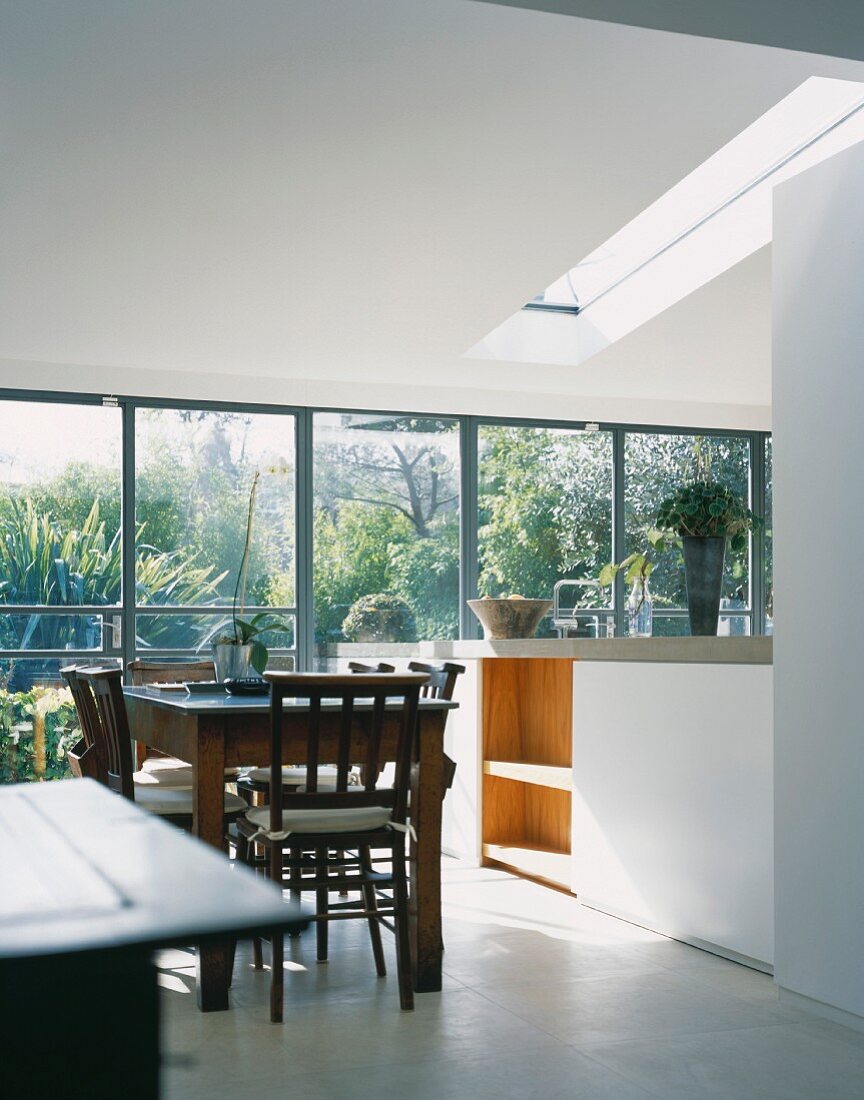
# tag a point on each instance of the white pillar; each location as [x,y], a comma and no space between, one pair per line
[819,583]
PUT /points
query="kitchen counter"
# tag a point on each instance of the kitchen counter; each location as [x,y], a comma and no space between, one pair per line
[741,650]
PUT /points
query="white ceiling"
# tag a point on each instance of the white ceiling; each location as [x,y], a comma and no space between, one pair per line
[358,190]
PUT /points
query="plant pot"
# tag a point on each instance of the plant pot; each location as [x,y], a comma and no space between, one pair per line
[233,662]
[703,571]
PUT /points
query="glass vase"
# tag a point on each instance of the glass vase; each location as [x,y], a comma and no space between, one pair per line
[640,610]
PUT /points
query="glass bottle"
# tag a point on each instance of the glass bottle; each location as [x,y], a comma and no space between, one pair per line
[640,609]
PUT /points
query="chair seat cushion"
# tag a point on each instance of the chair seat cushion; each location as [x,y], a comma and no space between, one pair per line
[177,800]
[348,820]
[296,777]
[165,766]
[180,777]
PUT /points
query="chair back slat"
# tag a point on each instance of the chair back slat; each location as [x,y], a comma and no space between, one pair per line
[145,671]
[358,666]
[343,760]
[113,726]
[360,734]
[88,719]
[313,741]
[442,678]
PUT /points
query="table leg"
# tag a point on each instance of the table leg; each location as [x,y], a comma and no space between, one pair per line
[425,856]
[208,794]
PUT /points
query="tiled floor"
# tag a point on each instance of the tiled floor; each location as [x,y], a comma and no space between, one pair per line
[542,999]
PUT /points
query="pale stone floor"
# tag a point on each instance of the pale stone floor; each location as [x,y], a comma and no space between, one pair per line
[542,999]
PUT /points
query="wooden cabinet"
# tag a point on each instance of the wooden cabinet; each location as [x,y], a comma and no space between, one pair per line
[527,721]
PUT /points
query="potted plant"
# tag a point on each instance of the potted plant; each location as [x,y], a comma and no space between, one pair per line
[705,515]
[379,618]
[239,648]
[637,567]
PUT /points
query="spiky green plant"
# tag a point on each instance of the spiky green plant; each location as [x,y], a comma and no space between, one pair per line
[42,565]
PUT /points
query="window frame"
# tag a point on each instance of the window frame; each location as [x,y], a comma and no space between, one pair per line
[469,565]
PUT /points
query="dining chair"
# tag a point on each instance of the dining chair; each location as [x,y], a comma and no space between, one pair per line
[170,770]
[98,694]
[327,821]
[358,666]
[442,684]
[86,757]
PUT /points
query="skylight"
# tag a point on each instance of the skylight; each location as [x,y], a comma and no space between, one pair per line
[712,219]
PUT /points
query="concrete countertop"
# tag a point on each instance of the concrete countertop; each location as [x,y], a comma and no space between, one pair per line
[742,650]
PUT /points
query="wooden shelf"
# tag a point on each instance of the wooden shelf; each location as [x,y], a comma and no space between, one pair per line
[542,775]
[527,777]
[534,861]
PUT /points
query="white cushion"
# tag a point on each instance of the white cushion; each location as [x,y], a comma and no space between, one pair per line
[348,820]
[165,766]
[177,800]
[295,777]
[178,778]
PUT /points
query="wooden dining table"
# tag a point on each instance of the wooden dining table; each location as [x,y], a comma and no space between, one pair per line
[212,732]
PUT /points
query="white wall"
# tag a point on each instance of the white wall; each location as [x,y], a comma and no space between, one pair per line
[819,582]
[672,800]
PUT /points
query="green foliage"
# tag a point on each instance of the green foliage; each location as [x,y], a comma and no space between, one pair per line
[41,563]
[706,508]
[425,575]
[545,506]
[36,729]
[380,618]
[637,566]
[656,464]
[352,557]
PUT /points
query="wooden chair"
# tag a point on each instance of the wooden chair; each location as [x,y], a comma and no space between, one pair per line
[170,770]
[312,819]
[86,757]
[442,684]
[105,714]
[358,666]
[143,671]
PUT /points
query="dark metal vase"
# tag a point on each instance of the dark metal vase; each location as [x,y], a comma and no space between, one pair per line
[703,571]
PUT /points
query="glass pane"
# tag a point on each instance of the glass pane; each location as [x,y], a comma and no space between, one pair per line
[37,720]
[654,466]
[386,528]
[769,537]
[154,631]
[668,626]
[545,514]
[194,471]
[41,632]
[59,503]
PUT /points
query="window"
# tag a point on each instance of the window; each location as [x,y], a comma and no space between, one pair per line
[194,471]
[60,570]
[385,528]
[544,515]
[384,524]
[655,464]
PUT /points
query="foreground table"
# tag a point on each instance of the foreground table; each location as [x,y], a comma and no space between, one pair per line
[219,731]
[90,885]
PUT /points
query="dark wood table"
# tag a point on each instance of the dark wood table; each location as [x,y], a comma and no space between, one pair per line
[90,885]
[219,731]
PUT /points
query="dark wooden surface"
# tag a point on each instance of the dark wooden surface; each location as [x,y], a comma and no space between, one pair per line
[212,732]
[84,869]
[91,884]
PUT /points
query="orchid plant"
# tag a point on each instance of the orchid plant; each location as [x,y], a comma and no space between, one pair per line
[245,631]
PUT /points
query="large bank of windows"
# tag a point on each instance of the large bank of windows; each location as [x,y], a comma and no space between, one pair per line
[545,515]
[385,529]
[60,571]
[655,464]
[194,471]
